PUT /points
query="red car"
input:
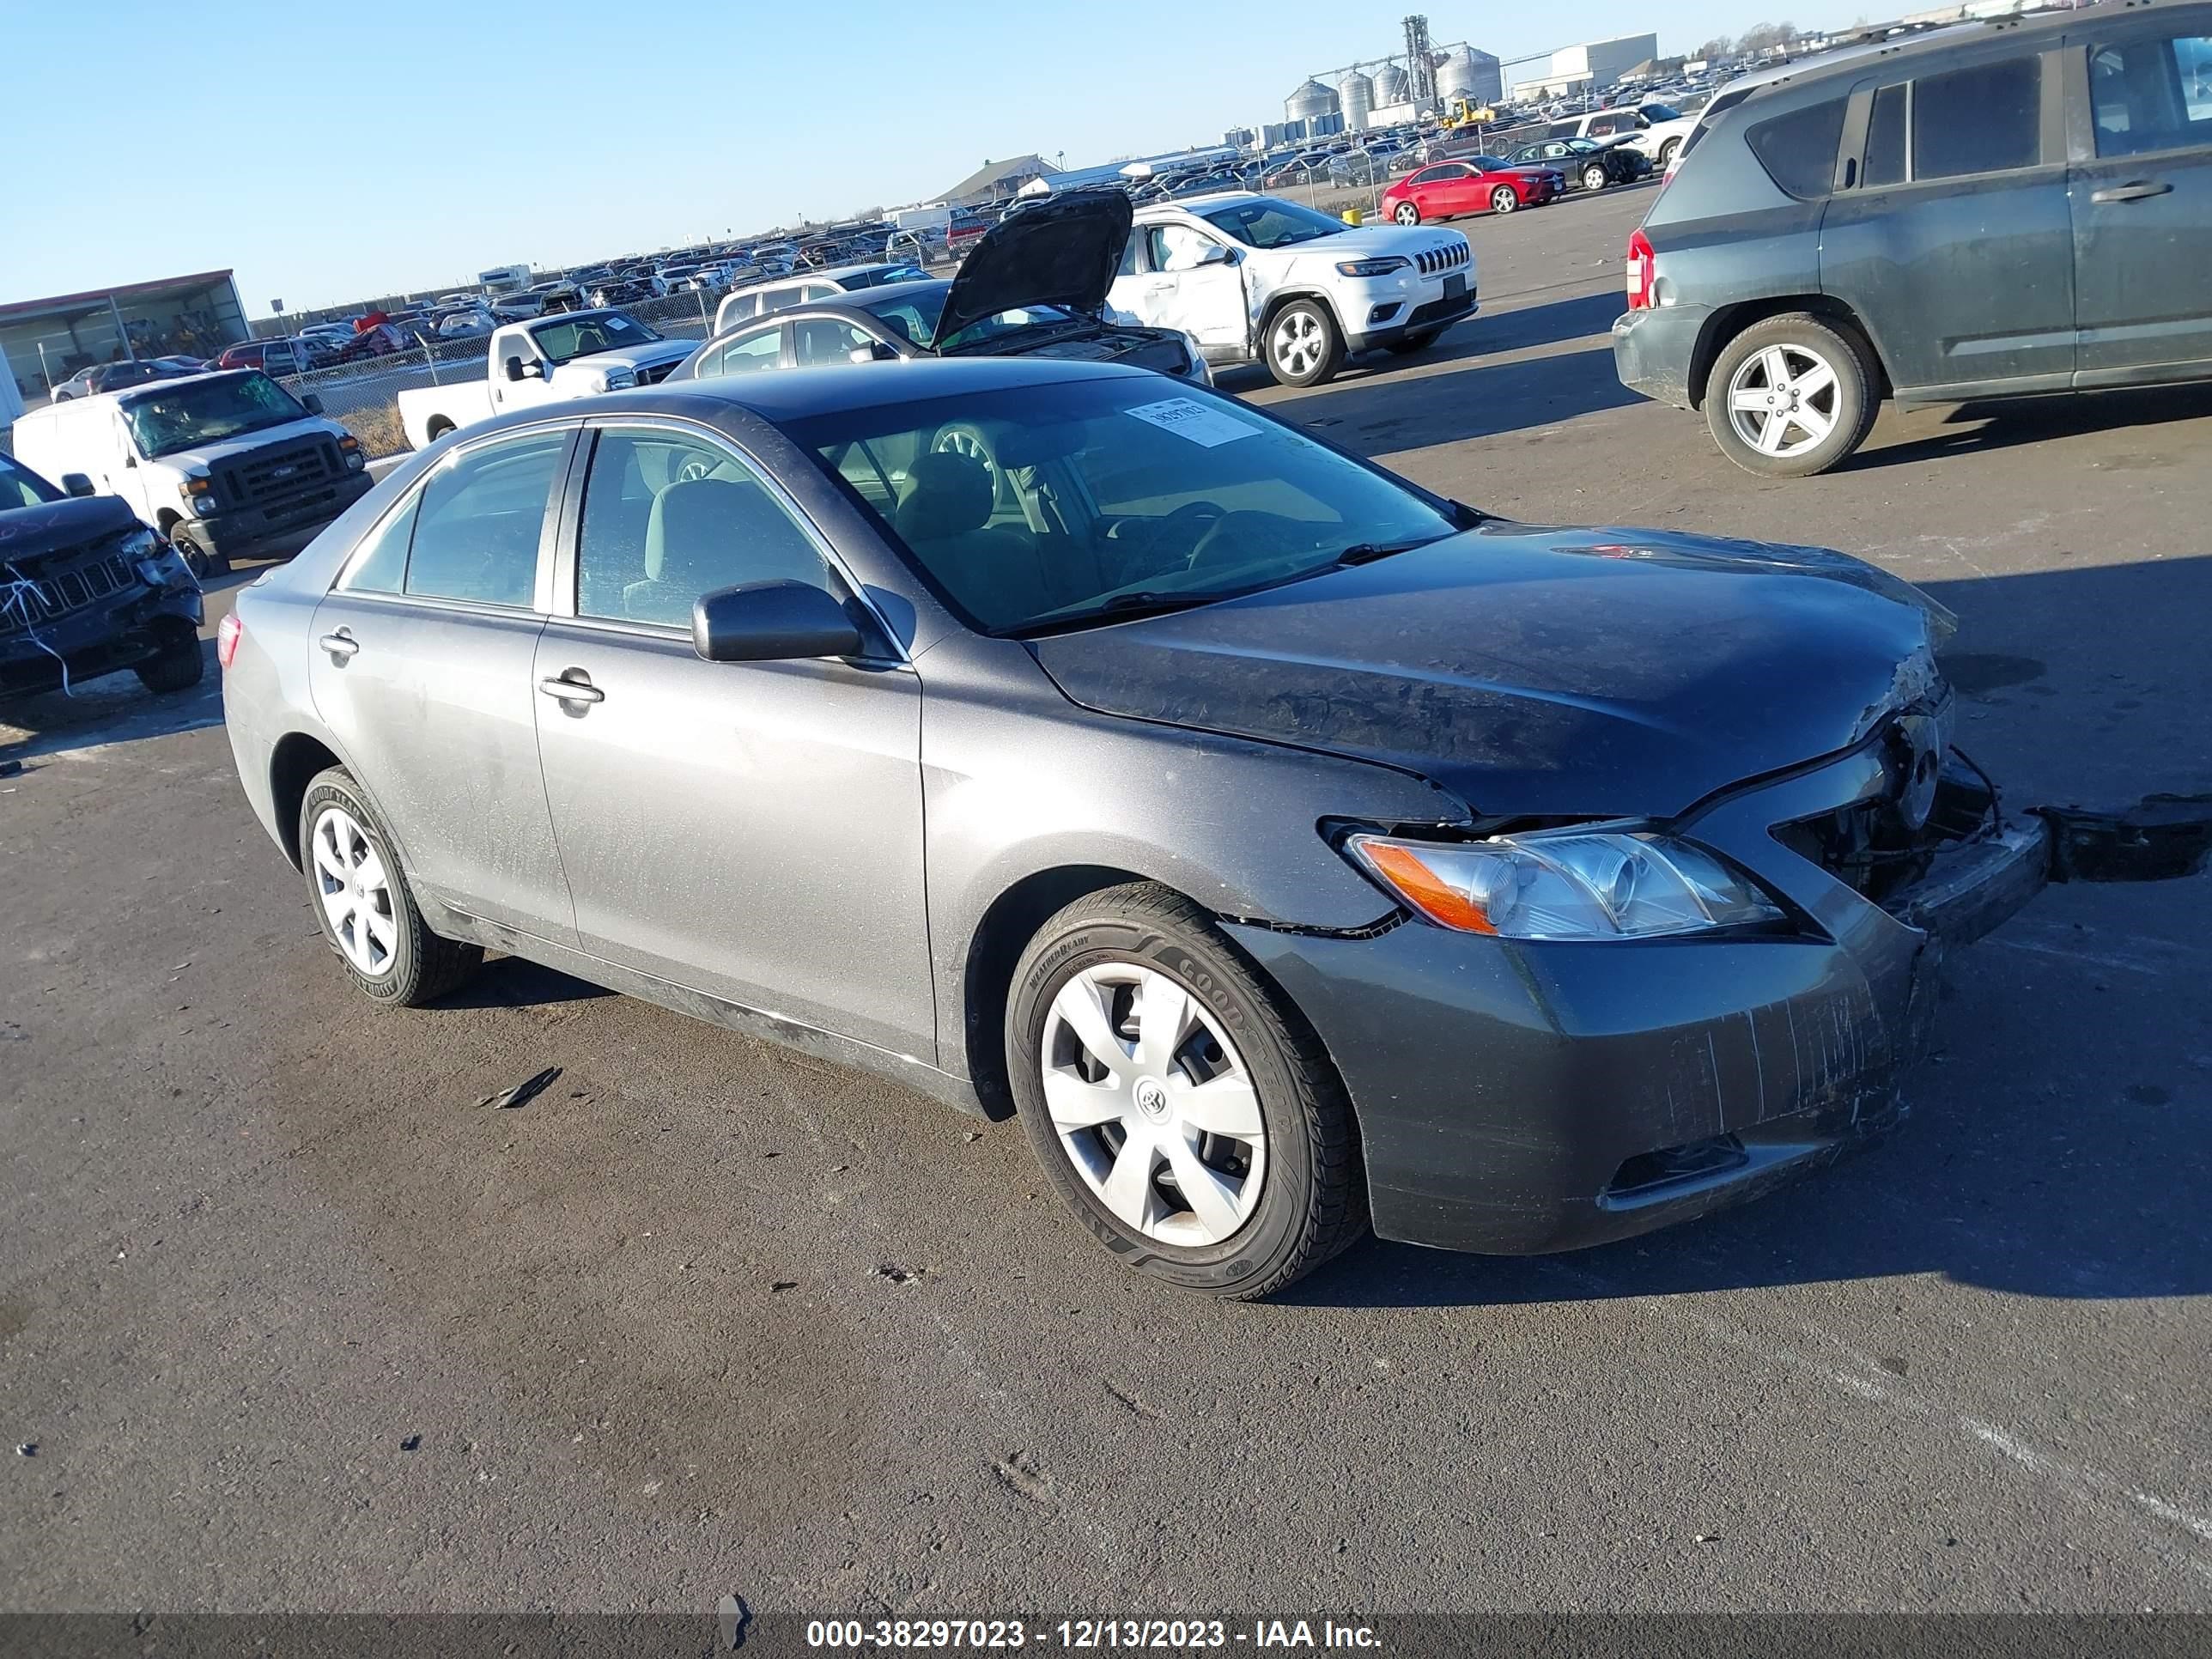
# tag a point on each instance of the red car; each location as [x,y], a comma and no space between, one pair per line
[1477,184]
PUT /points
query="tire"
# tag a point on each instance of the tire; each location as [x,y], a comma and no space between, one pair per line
[1795,346]
[1302,1148]
[1667,154]
[1406,213]
[1504,199]
[1594,177]
[1407,345]
[438,427]
[178,666]
[402,963]
[201,561]
[1304,346]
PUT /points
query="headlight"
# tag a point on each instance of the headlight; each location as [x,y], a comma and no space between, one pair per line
[139,543]
[619,379]
[202,506]
[1382,267]
[1565,885]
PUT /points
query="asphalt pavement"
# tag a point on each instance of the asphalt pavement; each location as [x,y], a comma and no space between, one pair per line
[291,1320]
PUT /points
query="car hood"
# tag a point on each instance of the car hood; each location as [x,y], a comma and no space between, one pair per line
[649,355]
[29,533]
[1064,251]
[1538,670]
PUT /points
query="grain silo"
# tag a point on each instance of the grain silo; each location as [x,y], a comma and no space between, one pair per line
[1468,74]
[1391,87]
[1358,92]
[1311,102]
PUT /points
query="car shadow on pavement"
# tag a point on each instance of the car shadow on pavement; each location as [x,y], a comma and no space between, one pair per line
[112,710]
[1388,414]
[1975,427]
[518,982]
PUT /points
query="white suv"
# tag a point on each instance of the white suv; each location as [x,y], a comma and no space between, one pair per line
[1653,129]
[1259,279]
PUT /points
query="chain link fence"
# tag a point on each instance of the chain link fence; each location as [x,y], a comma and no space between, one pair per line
[364,396]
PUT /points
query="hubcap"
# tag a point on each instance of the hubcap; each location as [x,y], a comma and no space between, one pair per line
[1785,400]
[1502,200]
[355,892]
[1299,341]
[1153,1104]
[1408,214]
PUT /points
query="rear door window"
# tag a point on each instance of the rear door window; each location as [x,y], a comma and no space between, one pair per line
[1987,118]
[1798,150]
[477,532]
[816,341]
[755,351]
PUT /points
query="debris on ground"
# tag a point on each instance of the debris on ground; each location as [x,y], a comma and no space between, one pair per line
[731,1617]
[27,1449]
[778,1285]
[896,1274]
[412,1442]
[527,1090]
[973,1134]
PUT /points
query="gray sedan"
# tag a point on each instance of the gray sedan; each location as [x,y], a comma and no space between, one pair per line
[1288,846]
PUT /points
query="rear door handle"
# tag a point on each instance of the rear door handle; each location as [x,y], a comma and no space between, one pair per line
[341,646]
[2134,193]
[572,690]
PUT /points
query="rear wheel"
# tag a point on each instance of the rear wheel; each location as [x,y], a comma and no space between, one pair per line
[1504,199]
[361,899]
[201,560]
[1304,346]
[1406,214]
[1593,176]
[439,427]
[1182,1110]
[1790,396]
[1667,153]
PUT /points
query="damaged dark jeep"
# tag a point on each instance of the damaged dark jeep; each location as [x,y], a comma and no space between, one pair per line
[86,589]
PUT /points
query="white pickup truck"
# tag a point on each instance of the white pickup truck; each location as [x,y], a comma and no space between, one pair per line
[544,361]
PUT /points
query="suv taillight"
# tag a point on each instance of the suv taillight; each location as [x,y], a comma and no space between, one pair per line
[228,633]
[1640,259]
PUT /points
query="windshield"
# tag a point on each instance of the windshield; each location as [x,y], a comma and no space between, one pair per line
[913,315]
[20,487]
[580,337]
[1047,507]
[1267,222]
[207,412]
[1660,112]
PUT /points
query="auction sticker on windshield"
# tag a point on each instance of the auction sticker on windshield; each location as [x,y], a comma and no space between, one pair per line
[1193,421]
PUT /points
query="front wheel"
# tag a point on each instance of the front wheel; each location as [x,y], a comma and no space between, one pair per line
[361,899]
[1304,346]
[1594,177]
[1667,153]
[1790,396]
[178,666]
[1181,1109]
[1504,199]
[1406,214]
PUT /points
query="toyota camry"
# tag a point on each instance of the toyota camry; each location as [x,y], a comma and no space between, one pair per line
[1292,849]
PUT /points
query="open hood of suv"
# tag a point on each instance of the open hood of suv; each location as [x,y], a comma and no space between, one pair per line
[1064,251]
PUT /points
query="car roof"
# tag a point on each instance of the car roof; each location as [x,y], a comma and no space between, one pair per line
[797,394]
[1212,198]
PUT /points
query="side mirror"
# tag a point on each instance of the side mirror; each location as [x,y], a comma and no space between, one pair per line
[1216,254]
[312,402]
[517,369]
[75,483]
[771,622]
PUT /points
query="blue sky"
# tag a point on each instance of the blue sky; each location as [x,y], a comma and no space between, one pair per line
[329,153]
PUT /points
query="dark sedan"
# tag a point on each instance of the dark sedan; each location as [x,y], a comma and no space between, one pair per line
[1287,845]
[1586,164]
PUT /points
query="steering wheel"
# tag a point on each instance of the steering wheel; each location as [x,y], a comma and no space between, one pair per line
[1191,523]
[693,468]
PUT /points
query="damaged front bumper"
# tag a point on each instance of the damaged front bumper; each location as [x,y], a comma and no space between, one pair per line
[1517,1097]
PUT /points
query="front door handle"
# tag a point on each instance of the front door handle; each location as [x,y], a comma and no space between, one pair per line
[341,646]
[572,690]
[2134,193]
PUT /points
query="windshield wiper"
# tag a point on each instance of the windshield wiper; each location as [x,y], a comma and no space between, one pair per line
[1368,552]
[1146,602]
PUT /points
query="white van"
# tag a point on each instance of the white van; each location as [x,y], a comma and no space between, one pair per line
[221,464]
